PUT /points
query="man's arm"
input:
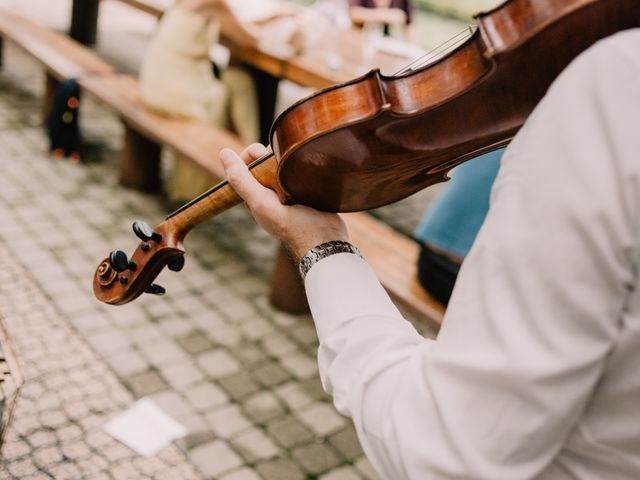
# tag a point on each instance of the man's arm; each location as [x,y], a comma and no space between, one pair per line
[536,308]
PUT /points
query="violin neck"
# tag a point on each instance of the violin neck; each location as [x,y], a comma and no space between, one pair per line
[217,199]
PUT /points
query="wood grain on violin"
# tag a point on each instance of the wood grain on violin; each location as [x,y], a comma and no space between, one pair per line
[378,139]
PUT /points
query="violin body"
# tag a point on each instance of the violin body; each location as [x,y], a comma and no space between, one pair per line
[378,139]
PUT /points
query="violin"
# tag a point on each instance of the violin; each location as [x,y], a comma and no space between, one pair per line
[378,139]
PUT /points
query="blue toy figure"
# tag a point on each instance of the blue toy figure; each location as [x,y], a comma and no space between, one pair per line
[449,227]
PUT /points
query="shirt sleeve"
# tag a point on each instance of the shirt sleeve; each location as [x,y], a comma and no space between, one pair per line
[535,310]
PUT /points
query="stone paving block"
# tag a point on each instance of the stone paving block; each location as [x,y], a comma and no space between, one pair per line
[91,323]
[181,375]
[226,336]
[280,469]
[214,458]
[364,466]
[262,406]
[175,327]
[254,445]
[278,344]
[301,366]
[146,333]
[108,341]
[316,458]
[346,442]
[65,471]
[205,396]
[242,474]
[313,388]
[288,431]
[207,320]
[199,431]
[194,342]
[236,310]
[342,473]
[249,354]
[69,433]
[162,351]
[146,383]
[129,316]
[14,450]
[47,457]
[23,468]
[271,374]
[172,404]
[227,421]
[159,308]
[41,438]
[127,362]
[255,329]
[218,363]
[322,418]
[305,333]
[239,385]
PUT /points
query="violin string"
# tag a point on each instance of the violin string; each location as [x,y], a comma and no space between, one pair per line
[443,48]
[440,50]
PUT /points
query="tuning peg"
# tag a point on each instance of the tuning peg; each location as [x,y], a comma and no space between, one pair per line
[176,264]
[119,261]
[155,289]
[144,232]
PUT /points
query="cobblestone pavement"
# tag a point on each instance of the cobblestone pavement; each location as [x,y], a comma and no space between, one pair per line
[212,353]
[241,376]
[67,396]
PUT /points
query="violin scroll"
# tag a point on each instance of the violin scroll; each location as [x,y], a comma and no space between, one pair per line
[118,279]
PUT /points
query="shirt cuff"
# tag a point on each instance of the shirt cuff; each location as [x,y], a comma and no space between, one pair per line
[342,287]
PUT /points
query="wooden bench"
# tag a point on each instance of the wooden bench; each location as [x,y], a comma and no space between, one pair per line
[60,56]
[146,132]
[394,258]
[392,255]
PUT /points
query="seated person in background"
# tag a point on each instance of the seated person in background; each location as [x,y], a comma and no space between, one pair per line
[176,79]
[383,12]
[450,225]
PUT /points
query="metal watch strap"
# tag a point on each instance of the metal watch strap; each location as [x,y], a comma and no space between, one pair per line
[324,250]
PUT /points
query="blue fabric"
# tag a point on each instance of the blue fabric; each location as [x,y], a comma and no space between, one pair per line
[453,220]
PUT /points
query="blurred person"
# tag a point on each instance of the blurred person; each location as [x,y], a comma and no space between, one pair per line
[386,13]
[177,79]
[534,373]
[449,226]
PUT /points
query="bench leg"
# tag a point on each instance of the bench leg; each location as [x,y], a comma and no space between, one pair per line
[139,162]
[287,291]
[50,88]
[84,21]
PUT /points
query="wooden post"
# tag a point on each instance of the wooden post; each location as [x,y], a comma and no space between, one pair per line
[287,290]
[139,162]
[84,21]
[50,88]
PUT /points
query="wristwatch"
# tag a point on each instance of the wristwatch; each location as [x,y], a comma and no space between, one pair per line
[324,250]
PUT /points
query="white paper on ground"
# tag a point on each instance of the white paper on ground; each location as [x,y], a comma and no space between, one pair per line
[145,428]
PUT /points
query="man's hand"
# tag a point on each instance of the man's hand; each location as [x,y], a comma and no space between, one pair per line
[300,228]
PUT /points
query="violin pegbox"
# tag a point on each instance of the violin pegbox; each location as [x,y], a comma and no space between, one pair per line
[119,279]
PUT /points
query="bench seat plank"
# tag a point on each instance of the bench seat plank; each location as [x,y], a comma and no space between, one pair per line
[394,259]
[195,140]
[61,56]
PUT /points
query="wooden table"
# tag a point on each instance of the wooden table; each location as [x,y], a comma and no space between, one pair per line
[309,69]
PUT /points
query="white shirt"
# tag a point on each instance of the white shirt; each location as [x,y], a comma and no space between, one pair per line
[535,373]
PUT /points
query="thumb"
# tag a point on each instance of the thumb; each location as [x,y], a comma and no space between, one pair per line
[239,177]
